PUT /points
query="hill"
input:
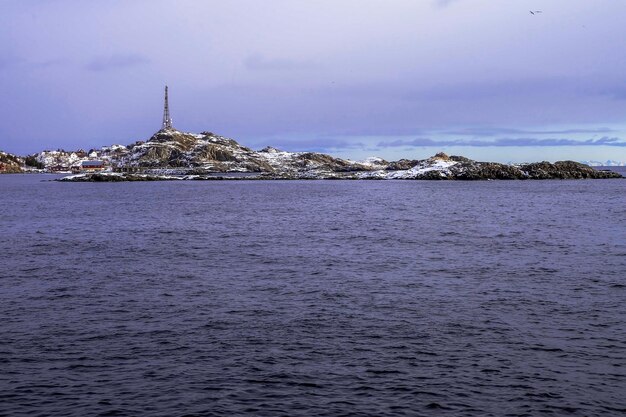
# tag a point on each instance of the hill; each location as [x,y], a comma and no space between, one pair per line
[10,164]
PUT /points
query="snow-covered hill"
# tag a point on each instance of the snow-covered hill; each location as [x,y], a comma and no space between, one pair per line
[207,152]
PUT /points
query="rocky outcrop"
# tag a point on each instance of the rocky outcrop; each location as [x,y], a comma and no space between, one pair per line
[204,152]
[564,170]
[10,164]
[444,167]
[471,170]
[402,164]
[434,168]
[195,156]
[305,163]
[115,177]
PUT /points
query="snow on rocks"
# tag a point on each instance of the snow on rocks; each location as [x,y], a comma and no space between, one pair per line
[172,154]
[374,162]
[439,165]
[429,165]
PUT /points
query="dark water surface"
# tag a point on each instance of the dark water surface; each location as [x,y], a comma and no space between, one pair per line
[312,298]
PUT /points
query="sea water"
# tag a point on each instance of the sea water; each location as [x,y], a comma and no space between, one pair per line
[312,298]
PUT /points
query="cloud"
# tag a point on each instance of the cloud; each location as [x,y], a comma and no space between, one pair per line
[495,131]
[10,61]
[522,86]
[258,62]
[444,3]
[524,142]
[116,61]
[310,144]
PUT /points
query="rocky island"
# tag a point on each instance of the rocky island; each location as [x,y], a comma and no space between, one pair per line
[173,155]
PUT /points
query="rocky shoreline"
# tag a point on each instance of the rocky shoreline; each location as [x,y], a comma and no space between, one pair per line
[440,167]
[171,155]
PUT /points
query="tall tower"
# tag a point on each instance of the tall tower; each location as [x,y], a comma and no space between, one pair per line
[167,120]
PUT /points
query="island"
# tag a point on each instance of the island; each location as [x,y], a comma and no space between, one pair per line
[178,156]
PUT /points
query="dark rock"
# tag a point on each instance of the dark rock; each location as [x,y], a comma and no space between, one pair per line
[402,164]
[457,158]
[486,170]
[184,140]
[271,149]
[327,163]
[564,170]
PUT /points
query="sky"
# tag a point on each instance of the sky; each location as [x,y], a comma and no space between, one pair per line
[354,78]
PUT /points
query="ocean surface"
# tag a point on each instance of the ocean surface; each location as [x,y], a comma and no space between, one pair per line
[312,298]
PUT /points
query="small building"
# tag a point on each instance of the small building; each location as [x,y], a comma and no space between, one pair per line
[92,166]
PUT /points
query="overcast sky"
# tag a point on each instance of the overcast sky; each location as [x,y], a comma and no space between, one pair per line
[354,78]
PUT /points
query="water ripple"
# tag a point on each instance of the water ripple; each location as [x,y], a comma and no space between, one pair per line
[312,298]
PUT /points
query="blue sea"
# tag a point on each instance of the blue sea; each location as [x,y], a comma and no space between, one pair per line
[312,298]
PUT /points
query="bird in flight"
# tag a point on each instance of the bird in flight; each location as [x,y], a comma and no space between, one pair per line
[535,12]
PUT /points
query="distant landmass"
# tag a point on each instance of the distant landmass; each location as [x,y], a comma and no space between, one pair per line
[171,154]
[10,163]
[609,163]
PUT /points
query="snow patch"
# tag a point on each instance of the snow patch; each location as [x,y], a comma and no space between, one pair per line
[372,161]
